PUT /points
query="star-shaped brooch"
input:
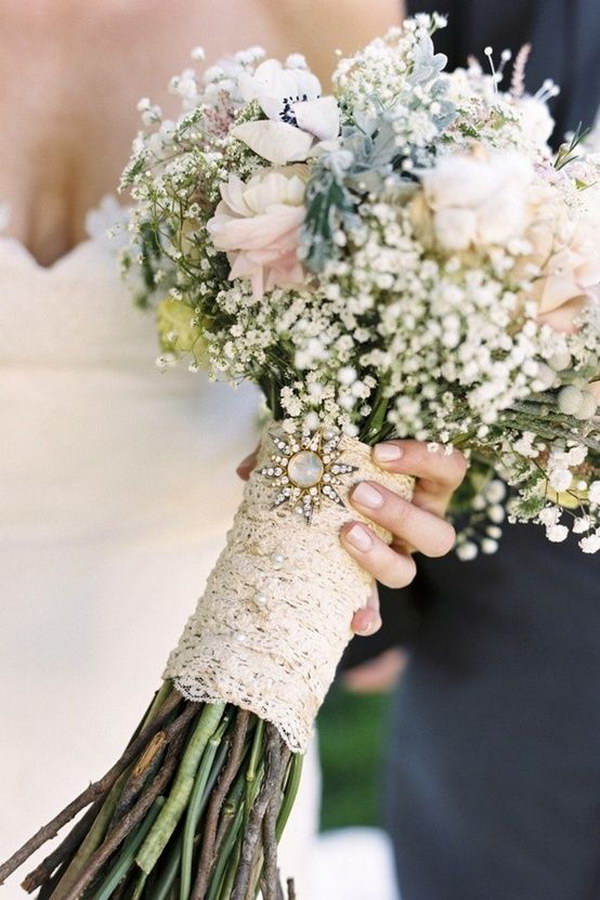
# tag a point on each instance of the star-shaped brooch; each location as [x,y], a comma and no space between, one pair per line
[306,469]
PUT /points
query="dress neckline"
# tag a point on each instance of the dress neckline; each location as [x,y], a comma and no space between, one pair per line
[99,220]
[35,264]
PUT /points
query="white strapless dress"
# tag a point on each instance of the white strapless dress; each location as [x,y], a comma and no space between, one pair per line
[117,487]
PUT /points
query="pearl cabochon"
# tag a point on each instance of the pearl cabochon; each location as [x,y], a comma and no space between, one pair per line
[305,469]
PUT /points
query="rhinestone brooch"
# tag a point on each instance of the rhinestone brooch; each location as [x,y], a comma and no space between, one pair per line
[306,469]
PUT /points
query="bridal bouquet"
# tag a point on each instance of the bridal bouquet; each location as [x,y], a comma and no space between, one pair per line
[405,257]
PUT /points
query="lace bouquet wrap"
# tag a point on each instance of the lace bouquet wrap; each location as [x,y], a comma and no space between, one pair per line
[403,258]
[274,620]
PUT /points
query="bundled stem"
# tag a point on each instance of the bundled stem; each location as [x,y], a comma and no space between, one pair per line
[95,791]
[192,810]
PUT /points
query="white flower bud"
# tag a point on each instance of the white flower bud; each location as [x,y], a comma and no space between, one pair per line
[561,361]
[347,375]
[467,551]
[560,480]
[557,533]
[311,421]
[496,514]
[581,524]
[495,492]
[569,400]
[489,546]
[590,544]
[587,407]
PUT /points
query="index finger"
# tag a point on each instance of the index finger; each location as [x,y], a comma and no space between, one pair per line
[440,472]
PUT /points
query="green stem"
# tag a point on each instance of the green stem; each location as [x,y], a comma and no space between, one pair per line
[159,698]
[251,771]
[179,795]
[130,848]
[224,855]
[198,799]
[373,430]
[168,874]
[225,892]
[139,888]
[290,791]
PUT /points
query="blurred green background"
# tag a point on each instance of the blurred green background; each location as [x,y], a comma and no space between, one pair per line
[353,732]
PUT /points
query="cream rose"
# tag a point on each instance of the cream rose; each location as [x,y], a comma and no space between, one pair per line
[258,225]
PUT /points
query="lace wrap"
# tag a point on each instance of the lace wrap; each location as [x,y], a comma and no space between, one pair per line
[273,622]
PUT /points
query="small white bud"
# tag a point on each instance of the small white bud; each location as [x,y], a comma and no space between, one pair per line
[587,407]
[569,400]
[489,546]
[467,551]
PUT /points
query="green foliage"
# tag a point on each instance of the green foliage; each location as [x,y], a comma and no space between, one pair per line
[328,205]
[352,738]
[567,151]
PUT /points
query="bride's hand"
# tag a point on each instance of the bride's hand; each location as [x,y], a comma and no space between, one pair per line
[415,525]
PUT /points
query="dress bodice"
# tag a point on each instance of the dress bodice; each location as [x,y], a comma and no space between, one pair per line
[96,438]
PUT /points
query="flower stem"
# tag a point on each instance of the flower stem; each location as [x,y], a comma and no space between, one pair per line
[121,867]
[179,795]
[197,802]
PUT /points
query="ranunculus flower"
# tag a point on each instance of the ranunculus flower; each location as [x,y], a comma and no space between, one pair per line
[297,114]
[570,264]
[258,225]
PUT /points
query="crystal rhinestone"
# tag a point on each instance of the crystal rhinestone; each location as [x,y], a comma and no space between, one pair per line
[260,600]
[305,469]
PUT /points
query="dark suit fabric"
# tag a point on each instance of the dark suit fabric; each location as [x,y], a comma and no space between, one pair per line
[494,768]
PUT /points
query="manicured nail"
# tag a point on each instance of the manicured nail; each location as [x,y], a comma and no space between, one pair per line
[368,496]
[369,627]
[387,452]
[245,463]
[359,537]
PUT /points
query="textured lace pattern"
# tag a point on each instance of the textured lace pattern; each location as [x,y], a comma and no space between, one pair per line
[277,658]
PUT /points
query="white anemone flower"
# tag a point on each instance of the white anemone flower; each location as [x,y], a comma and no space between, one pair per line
[298,117]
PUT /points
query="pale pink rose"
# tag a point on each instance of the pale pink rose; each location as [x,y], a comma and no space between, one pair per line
[594,388]
[570,275]
[258,225]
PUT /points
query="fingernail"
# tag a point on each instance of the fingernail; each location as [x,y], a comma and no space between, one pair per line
[387,452]
[245,463]
[367,495]
[367,621]
[359,537]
